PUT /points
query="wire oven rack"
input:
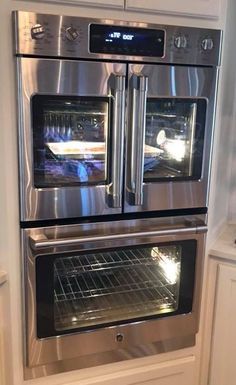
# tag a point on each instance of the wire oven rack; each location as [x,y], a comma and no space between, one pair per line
[110,286]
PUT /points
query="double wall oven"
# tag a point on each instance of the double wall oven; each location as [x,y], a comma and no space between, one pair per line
[115,132]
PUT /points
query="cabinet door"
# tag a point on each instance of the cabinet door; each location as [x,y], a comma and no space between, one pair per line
[199,8]
[223,368]
[175,372]
[90,3]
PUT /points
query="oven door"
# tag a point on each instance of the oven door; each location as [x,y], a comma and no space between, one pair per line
[71,138]
[171,116]
[109,291]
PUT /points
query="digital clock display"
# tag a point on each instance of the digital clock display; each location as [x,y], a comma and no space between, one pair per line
[129,41]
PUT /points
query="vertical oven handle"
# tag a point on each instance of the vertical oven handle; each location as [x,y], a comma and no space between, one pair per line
[114,189]
[139,87]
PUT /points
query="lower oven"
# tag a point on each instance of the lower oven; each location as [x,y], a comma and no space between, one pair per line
[102,292]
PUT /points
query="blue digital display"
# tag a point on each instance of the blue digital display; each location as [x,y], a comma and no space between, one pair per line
[119,36]
[123,40]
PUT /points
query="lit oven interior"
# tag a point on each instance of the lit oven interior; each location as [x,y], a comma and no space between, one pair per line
[110,286]
[172,128]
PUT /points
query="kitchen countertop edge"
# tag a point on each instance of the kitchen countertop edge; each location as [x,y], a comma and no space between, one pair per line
[224,246]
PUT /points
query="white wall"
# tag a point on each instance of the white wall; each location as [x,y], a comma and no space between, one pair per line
[231,106]
[10,257]
[223,190]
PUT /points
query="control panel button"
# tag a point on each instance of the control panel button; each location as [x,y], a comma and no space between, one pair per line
[72,33]
[37,31]
[207,44]
[180,41]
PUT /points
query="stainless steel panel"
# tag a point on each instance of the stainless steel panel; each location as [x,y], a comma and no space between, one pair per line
[115,188]
[54,42]
[137,337]
[177,82]
[53,77]
[136,137]
[121,354]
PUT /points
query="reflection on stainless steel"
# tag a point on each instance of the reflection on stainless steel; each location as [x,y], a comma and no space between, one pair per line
[100,346]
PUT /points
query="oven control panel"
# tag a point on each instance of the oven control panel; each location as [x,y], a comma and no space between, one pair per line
[77,37]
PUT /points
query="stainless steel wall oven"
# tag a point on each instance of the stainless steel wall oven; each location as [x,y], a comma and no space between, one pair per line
[134,285]
[115,133]
[115,117]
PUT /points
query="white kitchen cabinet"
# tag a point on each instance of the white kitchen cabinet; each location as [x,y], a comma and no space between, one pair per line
[223,352]
[209,9]
[96,3]
[105,3]
[198,8]
[181,371]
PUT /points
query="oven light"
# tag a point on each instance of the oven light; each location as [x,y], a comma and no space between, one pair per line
[176,149]
[170,269]
[169,266]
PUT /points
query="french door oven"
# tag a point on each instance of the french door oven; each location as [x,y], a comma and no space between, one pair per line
[103,138]
[115,130]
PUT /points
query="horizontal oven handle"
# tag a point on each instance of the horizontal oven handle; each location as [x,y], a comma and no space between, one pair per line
[114,189]
[45,242]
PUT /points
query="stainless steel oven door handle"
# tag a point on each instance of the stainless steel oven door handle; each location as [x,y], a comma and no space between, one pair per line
[139,84]
[114,189]
[45,242]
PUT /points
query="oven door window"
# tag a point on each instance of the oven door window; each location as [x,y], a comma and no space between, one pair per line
[174,139]
[69,140]
[94,289]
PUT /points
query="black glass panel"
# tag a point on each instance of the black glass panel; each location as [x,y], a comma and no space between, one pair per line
[124,40]
[174,139]
[69,140]
[85,291]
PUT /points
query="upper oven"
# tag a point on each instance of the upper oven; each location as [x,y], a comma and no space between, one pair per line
[113,117]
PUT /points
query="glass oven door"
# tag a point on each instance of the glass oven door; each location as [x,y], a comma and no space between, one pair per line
[169,136]
[86,291]
[71,138]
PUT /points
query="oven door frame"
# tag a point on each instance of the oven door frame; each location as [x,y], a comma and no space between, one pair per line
[101,346]
[54,77]
[150,81]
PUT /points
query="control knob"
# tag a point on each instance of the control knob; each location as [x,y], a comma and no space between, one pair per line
[37,31]
[180,41]
[72,33]
[207,44]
